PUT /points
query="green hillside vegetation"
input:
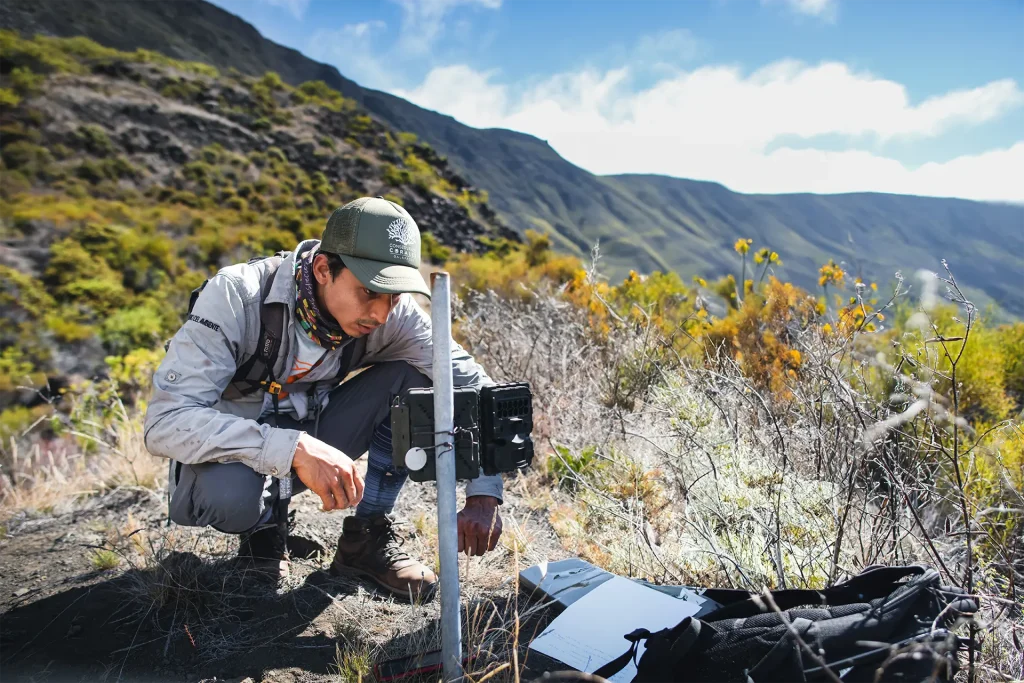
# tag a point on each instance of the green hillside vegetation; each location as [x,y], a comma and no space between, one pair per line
[644,222]
[128,178]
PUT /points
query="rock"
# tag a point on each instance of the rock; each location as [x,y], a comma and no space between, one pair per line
[20,592]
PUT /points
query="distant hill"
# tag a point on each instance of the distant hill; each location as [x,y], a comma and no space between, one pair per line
[643,222]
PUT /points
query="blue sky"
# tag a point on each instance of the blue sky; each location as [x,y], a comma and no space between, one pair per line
[920,97]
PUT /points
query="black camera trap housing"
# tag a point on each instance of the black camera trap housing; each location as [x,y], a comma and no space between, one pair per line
[506,421]
[492,430]
[412,426]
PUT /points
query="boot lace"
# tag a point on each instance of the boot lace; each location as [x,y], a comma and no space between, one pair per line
[390,542]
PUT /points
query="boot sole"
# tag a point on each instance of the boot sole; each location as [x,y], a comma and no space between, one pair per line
[425,596]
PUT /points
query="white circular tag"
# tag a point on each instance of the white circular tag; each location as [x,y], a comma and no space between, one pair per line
[415,459]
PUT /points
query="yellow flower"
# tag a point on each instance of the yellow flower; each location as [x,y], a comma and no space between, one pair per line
[774,258]
[880,317]
[874,287]
[831,273]
[742,246]
[827,328]
[794,357]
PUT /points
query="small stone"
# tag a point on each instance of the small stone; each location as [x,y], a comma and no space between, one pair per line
[21,591]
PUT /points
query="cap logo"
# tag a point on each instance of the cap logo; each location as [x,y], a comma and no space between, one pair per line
[399,231]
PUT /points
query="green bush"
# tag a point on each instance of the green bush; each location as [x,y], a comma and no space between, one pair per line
[25,82]
[569,467]
[18,371]
[66,325]
[132,328]
[16,131]
[95,141]
[32,159]
[433,251]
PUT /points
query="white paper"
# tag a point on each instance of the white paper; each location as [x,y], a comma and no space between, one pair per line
[589,633]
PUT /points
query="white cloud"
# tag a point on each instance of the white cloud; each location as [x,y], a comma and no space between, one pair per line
[354,50]
[363,29]
[822,9]
[350,48]
[296,7]
[423,20]
[716,123]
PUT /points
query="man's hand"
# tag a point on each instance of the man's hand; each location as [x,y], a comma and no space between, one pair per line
[327,472]
[479,525]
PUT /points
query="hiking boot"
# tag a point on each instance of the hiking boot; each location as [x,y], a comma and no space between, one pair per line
[372,548]
[265,551]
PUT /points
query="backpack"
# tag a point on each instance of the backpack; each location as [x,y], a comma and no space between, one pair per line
[855,631]
[257,372]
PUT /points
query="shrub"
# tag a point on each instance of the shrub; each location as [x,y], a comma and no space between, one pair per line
[8,99]
[32,159]
[128,329]
[94,140]
[25,82]
[433,251]
[568,467]
[18,371]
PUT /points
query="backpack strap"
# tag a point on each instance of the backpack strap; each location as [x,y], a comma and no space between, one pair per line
[664,650]
[874,582]
[257,372]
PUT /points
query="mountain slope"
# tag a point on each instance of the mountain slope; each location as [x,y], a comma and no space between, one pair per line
[643,222]
[127,177]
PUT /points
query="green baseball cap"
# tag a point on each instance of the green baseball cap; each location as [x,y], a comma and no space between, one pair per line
[379,242]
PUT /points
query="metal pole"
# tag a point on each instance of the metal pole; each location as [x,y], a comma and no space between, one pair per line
[447,526]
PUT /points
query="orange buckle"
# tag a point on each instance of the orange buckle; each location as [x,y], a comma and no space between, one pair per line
[274,388]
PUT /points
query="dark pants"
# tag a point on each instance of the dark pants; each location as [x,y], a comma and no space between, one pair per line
[232,497]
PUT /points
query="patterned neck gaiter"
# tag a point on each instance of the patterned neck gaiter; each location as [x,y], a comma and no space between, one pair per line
[322,329]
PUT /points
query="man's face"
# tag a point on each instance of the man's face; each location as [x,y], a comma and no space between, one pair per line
[358,310]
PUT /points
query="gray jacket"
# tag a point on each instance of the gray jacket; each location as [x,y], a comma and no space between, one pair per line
[189,421]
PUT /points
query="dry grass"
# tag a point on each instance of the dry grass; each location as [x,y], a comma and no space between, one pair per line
[92,455]
[707,480]
[703,480]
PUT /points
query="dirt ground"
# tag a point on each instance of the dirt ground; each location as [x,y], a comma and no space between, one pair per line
[175,609]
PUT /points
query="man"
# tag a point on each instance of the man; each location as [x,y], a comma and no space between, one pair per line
[244,435]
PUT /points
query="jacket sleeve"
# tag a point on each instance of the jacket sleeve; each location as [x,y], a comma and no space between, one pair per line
[407,336]
[181,422]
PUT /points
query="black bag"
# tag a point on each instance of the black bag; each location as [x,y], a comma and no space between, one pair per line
[872,621]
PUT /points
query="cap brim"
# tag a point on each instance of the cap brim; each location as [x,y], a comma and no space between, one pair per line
[386,278]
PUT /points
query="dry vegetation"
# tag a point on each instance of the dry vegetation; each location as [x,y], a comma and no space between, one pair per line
[662,456]
[685,461]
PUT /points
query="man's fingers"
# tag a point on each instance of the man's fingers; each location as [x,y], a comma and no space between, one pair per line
[359,485]
[493,537]
[347,477]
[494,533]
[326,499]
[340,501]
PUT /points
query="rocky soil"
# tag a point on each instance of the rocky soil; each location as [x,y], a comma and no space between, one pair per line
[174,609]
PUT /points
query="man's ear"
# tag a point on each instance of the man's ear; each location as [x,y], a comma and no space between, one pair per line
[321,269]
